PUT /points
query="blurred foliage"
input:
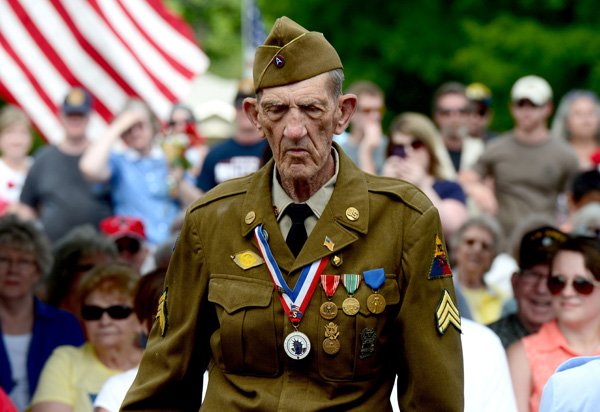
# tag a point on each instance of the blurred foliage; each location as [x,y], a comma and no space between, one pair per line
[410,48]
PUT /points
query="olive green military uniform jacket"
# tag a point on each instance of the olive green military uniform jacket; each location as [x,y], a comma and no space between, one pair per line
[227,317]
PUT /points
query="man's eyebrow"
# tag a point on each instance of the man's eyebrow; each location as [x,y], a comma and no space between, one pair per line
[267,103]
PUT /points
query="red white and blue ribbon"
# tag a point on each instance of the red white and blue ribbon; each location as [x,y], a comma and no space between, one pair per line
[294,301]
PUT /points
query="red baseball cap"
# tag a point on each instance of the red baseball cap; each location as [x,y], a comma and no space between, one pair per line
[123,226]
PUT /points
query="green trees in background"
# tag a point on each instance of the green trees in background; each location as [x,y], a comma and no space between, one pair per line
[410,48]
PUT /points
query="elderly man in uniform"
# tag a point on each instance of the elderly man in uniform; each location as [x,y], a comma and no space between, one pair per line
[308,285]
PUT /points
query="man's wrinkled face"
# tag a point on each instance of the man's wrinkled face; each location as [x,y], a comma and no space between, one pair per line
[299,121]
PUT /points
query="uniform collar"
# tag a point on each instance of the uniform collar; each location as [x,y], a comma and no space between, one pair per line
[317,202]
[344,218]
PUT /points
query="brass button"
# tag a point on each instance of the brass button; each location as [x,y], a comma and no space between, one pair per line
[352,214]
[250,216]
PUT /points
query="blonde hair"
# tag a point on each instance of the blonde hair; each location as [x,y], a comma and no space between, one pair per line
[108,278]
[11,115]
[422,128]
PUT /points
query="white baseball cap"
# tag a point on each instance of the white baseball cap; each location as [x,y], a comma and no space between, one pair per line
[532,88]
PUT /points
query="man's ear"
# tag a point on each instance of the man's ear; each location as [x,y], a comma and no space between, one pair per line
[346,107]
[251,109]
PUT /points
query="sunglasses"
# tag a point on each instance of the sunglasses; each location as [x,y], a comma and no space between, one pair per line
[557,283]
[127,244]
[526,103]
[399,149]
[442,111]
[92,312]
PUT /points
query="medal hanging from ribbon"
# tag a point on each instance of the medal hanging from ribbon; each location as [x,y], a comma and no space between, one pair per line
[375,278]
[351,305]
[294,301]
[330,283]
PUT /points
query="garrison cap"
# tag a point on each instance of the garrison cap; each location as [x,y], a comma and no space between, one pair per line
[291,54]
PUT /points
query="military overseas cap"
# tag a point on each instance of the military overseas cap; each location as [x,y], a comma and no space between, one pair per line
[291,54]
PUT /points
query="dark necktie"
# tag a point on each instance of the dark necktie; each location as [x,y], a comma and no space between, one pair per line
[298,212]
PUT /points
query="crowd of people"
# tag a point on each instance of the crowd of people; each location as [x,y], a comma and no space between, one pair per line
[88,228]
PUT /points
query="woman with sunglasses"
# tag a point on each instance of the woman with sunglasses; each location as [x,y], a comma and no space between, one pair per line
[416,154]
[73,376]
[574,283]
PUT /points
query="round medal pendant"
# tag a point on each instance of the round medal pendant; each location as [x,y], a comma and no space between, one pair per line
[350,306]
[328,310]
[331,346]
[296,345]
[376,303]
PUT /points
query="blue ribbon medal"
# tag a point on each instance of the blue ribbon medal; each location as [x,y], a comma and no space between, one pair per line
[375,278]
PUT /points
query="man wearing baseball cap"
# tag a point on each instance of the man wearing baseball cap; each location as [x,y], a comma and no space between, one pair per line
[528,168]
[55,191]
[532,297]
[130,238]
[308,285]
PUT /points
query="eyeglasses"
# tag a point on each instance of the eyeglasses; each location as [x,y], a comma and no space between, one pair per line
[399,149]
[531,277]
[20,265]
[185,122]
[443,111]
[368,110]
[583,286]
[521,103]
[92,312]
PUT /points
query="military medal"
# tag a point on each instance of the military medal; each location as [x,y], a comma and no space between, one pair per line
[294,301]
[331,344]
[297,345]
[375,278]
[330,283]
[351,305]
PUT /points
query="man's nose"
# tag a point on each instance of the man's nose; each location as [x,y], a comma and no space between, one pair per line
[294,128]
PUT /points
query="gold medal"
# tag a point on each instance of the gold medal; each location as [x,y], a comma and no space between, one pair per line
[350,306]
[328,310]
[331,345]
[376,303]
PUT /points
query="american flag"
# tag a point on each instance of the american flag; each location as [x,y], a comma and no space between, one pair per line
[113,48]
[253,34]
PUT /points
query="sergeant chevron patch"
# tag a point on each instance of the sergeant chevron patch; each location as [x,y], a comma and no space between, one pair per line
[161,314]
[447,313]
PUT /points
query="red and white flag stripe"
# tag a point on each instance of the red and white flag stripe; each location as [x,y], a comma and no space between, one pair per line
[113,48]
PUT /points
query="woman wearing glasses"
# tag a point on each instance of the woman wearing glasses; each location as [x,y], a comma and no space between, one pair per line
[29,329]
[574,283]
[73,376]
[416,154]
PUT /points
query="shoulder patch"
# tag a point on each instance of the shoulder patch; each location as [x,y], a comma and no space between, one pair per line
[440,268]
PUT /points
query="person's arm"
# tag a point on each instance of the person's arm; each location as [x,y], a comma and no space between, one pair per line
[480,190]
[425,353]
[520,374]
[367,150]
[51,407]
[171,372]
[94,163]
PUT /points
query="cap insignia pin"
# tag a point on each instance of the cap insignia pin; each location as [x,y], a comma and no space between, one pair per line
[279,61]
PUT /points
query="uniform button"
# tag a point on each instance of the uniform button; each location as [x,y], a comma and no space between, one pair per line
[352,214]
[250,216]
